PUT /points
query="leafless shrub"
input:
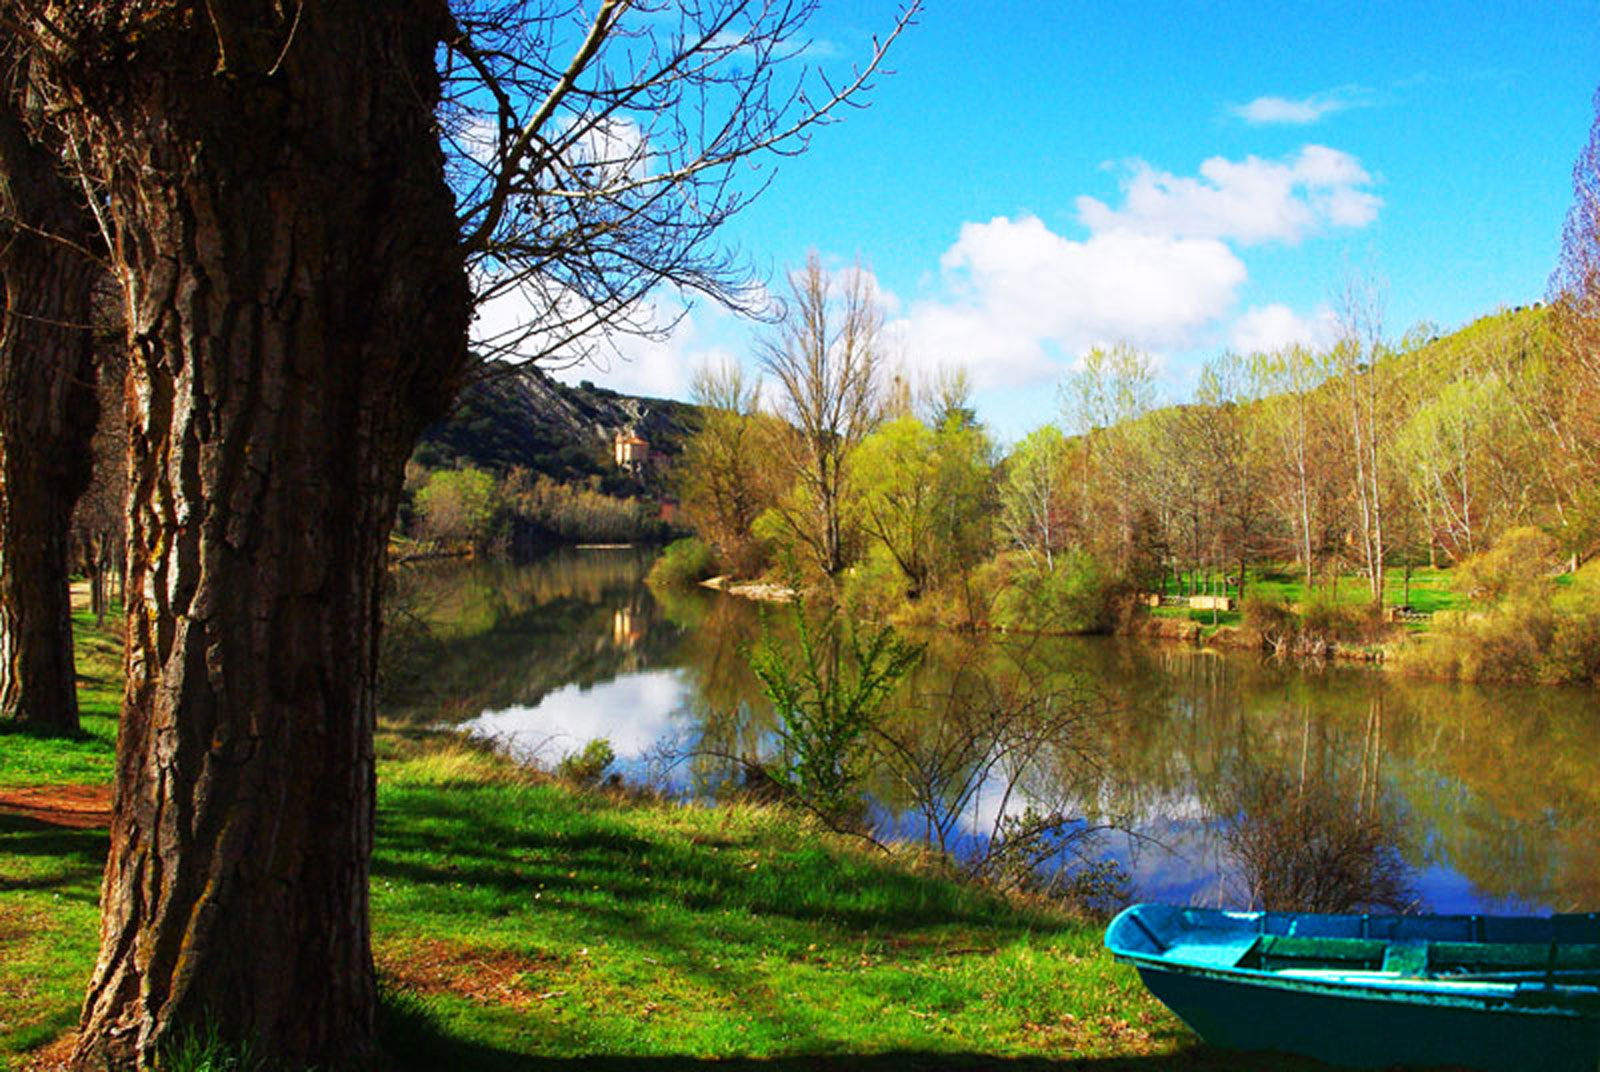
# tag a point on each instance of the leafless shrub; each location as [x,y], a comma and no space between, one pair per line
[1304,846]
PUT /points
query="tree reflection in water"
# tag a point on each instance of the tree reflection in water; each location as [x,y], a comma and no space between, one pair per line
[1492,789]
[1308,846]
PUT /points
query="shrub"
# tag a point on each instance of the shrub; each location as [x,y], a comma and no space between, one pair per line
[1534,632]
[1308,847]
[1521,561]
[827,702]
[682,563]
[1078,596]
[874,588]
[1574,653]
[1325,619]
[458,505]
[1271,621]
[588,765]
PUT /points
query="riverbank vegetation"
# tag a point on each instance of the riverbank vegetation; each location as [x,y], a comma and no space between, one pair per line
[1349,500]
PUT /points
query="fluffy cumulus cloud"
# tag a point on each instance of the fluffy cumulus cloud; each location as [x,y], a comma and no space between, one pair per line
[1021,297]
[1263,329]
[1017,301]
[1248,201]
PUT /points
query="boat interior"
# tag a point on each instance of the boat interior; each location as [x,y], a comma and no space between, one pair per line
[1479,950]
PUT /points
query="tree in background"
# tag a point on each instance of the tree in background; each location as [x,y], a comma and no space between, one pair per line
[1575,299]
[923,495]
[458,506]
[1446,447]
[1102,400]
[1231,448]
[724,474]
[1364,379]
[48,406]
[827,357]
[1033,505]
[1287,381]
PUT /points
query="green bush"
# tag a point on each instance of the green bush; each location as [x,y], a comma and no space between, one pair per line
[1524,639]
[1574,653]
[1532,629]
[827,701]
[588,765]
[682,563]
[458,506]
[874,589]
[1079,595]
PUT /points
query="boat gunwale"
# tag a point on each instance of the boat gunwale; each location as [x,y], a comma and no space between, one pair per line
[1516,998]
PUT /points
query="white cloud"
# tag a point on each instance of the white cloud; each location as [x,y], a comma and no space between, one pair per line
[1249,201]
[1301,111]
[1016,302]
[1263,329]
[652,366]
[655,353]
[1021,297]
[633,712]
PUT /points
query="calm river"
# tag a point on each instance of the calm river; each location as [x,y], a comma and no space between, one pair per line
[1489,795]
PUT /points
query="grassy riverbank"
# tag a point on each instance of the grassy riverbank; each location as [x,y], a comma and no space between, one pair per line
[520,923]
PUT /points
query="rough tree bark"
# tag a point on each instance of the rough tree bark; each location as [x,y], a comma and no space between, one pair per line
[297,312]
[48,408]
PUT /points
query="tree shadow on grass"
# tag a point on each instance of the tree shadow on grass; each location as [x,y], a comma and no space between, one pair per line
[422,1048]
[78,855]
[493,851]
[448,839]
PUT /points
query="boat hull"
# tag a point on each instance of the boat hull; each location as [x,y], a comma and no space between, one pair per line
[1495,993]
[1368,1032]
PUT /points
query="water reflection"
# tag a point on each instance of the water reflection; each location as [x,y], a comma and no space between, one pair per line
[1491,789]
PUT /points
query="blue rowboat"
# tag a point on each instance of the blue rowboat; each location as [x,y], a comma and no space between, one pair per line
[1485,992]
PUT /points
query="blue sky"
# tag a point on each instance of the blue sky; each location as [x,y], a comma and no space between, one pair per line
[1038,177]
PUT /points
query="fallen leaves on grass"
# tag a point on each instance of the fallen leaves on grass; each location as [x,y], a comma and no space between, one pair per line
[82,807]
[482,975]
[54,1056]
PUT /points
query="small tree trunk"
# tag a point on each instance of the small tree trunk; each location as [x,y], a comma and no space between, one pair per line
[47,419]
[297,312]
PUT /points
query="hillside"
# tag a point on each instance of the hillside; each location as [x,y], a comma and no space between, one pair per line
[526,419]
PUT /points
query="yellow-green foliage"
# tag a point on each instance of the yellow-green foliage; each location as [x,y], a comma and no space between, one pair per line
[1536,631]
[458,505]
[682,563]
[1324,615]
[1521,564]
[1078,594]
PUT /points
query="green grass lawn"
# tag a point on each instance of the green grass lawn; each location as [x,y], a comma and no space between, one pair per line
[1429,591]
[29,759]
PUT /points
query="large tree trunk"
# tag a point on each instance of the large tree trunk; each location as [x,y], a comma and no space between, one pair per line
[297,311]
[47,418]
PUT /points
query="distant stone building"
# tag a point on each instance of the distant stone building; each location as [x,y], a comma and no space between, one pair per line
[632,452]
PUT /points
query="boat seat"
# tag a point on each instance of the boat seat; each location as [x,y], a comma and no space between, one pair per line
[1227,954]
[1406,958]
[1278,952]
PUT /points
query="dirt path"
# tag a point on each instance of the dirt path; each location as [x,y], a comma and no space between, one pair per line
[82,807]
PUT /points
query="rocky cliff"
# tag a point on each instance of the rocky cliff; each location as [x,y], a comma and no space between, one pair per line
[525,418]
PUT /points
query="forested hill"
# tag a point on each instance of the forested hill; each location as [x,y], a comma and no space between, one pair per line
[526,419]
